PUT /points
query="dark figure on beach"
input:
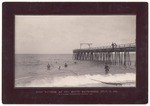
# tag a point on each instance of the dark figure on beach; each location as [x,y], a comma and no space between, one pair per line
[107,69]
[48,67]
[66,65]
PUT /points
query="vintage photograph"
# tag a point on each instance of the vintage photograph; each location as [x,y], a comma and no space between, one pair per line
[75,51]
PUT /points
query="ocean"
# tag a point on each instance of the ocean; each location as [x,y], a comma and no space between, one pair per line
[31,71]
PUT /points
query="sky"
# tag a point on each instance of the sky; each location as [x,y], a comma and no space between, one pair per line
[55,34]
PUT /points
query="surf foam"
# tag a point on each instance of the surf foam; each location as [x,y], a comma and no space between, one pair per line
[82,81]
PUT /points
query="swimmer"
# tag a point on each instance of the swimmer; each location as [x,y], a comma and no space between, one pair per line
[48,67]
[59,67]
[107,69]
[66,65]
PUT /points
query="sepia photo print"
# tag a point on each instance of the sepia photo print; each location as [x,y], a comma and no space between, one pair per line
[75,51]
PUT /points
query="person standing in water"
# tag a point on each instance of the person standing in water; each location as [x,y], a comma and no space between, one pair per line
[48,67]
[66,65]
[59,67]
[106,69]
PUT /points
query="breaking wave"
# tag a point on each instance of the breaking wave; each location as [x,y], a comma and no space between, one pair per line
[125,80]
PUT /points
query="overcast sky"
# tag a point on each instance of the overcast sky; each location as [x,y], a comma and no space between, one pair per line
[49,34]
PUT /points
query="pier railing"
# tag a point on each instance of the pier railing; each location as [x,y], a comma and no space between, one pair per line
[129,45]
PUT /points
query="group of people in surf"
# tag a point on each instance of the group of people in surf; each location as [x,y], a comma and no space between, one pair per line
[59,67]
[66,65]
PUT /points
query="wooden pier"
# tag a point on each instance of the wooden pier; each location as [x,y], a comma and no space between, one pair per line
[116,55]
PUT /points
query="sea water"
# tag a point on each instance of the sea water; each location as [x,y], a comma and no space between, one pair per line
[31,71]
